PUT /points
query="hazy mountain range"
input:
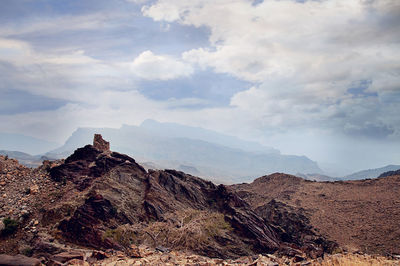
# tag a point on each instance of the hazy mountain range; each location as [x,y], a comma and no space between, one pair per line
[26,144]
[25,158]
[194,150]
[371,173]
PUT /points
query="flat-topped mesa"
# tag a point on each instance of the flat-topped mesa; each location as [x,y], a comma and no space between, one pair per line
[100,144]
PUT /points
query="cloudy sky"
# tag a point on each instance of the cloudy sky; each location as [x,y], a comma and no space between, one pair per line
[319,78]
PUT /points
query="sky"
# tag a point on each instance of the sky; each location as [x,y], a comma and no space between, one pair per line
[315,78]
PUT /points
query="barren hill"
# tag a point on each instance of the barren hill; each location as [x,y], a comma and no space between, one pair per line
[359,215]
[99,199]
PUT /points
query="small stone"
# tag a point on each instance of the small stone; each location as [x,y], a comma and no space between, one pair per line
[78,262]
[99,255]
[34,189]
[134,252]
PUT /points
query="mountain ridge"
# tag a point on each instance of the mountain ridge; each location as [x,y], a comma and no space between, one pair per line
[100,199]
[221,163]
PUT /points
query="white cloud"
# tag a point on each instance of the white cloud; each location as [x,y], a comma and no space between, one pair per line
[150,66]
[303,57]
[52,25]
[139,2]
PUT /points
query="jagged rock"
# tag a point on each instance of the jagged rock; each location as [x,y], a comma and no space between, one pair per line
[18,260]
[118,191]
[84,225]
[99,255]
[100,144]
[68,256]
[88,163]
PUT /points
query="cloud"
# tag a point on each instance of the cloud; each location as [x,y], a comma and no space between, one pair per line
[138,1]
[302,57]
[52,25]
[291,74]
[159,67]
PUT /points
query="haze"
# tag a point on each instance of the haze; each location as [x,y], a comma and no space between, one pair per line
[313,78]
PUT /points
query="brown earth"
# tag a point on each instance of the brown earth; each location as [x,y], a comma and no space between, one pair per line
[359,215]
[101,200]
[101,205]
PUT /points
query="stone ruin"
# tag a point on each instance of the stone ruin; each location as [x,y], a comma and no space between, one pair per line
[100,144]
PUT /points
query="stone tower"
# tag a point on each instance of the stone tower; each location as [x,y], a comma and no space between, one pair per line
[100,144]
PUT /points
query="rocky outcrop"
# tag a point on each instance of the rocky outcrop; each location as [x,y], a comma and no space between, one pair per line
[18,260]
[84,226]
[120,192]
[100,144]
[293,226]
[87,164]
[358,215]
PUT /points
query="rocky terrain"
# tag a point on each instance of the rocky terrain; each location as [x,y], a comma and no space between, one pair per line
[100,207]
[361,215]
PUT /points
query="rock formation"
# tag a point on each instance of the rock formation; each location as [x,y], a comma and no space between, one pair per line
[117,191]
[100,144]
[105,201]
[358,215]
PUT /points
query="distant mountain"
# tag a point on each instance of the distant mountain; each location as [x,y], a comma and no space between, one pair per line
[24,158]
[26,144]
[390,173]
[174,146]
[371,173]
[174,130]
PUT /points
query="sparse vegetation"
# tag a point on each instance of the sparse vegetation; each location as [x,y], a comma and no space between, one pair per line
[354,260]
[187,229]
[122,235]
[27,252]
[10,226]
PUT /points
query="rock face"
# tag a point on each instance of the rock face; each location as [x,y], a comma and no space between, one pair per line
[100,144]
[360,215]
[119,196]
[18,260]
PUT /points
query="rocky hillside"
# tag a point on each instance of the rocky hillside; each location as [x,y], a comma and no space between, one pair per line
[390,173]
[361,215]
[102,200]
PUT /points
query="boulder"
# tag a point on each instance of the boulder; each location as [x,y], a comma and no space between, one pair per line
[67,256]
[20,260]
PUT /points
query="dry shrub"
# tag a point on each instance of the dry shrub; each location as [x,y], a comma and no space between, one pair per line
[123,235]
[355,260]
[187,229]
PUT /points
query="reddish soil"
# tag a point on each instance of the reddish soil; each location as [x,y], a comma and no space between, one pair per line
[359,215]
